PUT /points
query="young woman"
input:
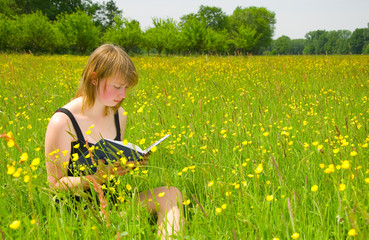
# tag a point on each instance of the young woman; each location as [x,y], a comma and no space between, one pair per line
[105,80]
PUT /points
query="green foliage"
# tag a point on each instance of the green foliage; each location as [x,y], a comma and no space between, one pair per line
[253,18]
[124,32]
[38,34]
[194,34]
[282,45]
[78,32]
[217,41]
[214,17]
[245,38]
[359,39]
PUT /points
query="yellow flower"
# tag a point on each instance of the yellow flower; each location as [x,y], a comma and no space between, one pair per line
[345,164]
[76,146]
[11,143]
[237,186]
[224,206]
[218,211]
[275,238]
[352,232]
[88,132]
[186,202]
[11,169]
[353,153]
[17,173]
[265,134]
[15,224]
[269,198]
[26,178]
[367,180]
[161,194]
[315,143]
[129,187]
[295,235]
[342,187]
[244,143]
[74,156]
[259,169]
[153,149]
[35,162]
[33,221]
[211,183]
[24,157]
[314,188]
[142,141]
[336,150]
[125,113]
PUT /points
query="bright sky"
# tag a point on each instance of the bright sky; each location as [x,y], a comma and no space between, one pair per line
[294,18]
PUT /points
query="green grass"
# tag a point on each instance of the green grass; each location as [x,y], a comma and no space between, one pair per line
[227,115]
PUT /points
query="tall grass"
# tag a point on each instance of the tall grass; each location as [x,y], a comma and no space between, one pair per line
[251,136]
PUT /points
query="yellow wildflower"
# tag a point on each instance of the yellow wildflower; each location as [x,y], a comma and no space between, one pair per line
[295,235]
[352,232]
[161,194]
[269,198]
[342,187]
[15,224]
[259,169]
[314,188]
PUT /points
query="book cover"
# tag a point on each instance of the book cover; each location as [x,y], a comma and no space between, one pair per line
[110,151]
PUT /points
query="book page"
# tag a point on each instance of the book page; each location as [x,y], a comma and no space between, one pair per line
[155,144]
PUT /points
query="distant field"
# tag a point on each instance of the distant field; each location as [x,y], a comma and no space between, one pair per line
[270,147]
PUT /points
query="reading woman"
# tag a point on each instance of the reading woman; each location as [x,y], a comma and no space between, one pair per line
[106,77]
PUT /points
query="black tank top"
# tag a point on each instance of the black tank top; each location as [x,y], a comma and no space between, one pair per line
[80,139]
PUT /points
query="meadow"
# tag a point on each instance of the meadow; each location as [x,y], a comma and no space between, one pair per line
[261,147]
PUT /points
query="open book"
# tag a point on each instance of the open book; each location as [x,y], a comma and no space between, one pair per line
[110,151]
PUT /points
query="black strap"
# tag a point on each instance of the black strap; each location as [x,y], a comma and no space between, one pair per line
[74,122]
[117,126]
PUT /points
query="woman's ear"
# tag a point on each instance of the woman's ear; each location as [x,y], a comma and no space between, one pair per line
[94,78]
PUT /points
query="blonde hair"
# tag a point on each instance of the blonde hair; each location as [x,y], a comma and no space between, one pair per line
[106,61]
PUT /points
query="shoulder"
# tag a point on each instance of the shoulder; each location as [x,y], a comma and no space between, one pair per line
[60,122]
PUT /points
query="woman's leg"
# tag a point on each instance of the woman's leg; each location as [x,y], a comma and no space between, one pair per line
[166,202]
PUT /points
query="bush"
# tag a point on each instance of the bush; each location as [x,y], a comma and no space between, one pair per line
[37,33]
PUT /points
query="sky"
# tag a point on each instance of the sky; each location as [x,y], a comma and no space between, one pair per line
[294,18]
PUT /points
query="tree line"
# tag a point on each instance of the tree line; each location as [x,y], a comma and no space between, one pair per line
[79,26]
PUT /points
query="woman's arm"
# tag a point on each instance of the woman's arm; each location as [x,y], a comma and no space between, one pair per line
[57,155]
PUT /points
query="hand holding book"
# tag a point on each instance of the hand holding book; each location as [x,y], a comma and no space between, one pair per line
[109,152]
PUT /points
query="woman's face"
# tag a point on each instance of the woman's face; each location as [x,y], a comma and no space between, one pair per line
[112,91]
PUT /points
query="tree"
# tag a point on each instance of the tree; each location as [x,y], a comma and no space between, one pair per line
[297,46]
[282,45]
[217,41]
[245,39]
[359,39]
[214,17]
[38,34]
[194,33]
[124,32]
[163,36]
[78,32]
[103,14]
[315,41]
[253,18]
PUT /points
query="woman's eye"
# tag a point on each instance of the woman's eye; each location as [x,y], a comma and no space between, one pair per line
[117,87]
